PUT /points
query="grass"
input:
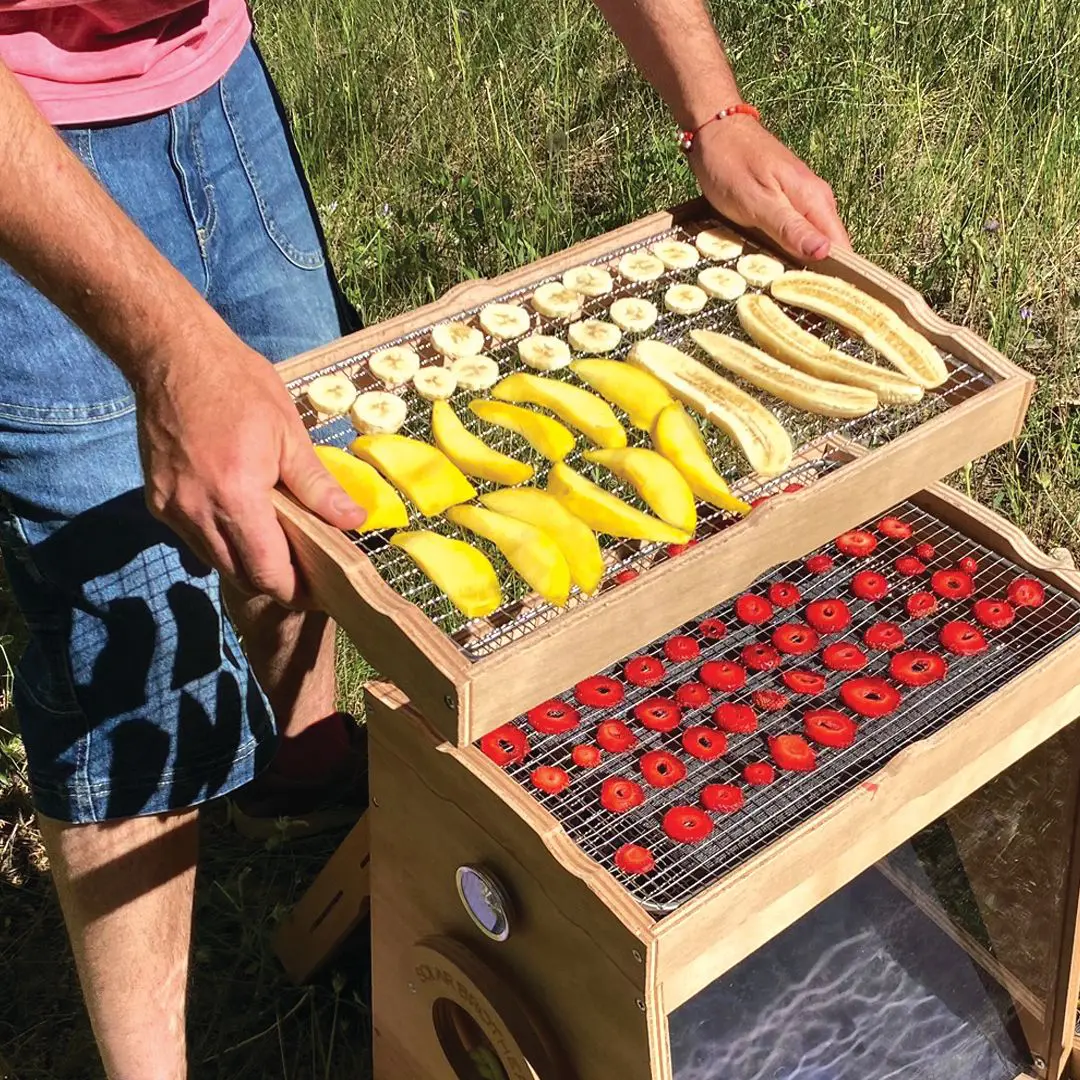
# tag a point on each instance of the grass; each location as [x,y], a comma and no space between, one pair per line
[449,140]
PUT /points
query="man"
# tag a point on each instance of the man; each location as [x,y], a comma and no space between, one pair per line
[160,247]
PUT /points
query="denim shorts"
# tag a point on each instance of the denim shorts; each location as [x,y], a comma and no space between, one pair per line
[133,695]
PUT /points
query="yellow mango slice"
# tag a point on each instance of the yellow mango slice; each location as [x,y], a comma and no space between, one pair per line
[641,399]
[586,412]
[546,436]
[367,488]
[677,436]
[529,550]
[472,455]
[423,474]
[576,540]
[460,570]
[656,480]
[605,513]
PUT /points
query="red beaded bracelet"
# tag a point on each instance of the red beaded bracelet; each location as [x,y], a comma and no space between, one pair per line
[688,138]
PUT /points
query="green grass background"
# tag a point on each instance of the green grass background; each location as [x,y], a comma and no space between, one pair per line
[447,140]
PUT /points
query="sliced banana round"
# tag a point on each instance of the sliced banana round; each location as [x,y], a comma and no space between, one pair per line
[588,280]
[634,314]
[760,270]
[378,412]
[718,244]
[457,339]
[505,321]
[543,352]
[556,301]
[475,372]
[640,266]
[722,282]
[675,254]
[436,383]
[685,299]
[594,336]
[331,394]
[394,366]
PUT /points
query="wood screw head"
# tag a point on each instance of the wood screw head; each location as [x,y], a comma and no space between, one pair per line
[636,955]
[641,1004]
[450,702]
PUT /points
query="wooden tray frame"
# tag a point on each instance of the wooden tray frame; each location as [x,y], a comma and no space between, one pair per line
[465,699]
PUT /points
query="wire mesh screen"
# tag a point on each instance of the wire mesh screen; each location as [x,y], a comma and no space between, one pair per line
[682,870]
[523,610]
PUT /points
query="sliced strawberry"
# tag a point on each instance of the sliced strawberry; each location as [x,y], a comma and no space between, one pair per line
[760,657]
[916,667]
[735,718]
[759,501]
[723,675]
[681,647]
[969,565]
[506,745]
[920,605]
[550,779]
[770,700]
[894,528]
[692,695]
[870,585]
[634,859]
[586,755]
[658,714]
[643,671]
[925,552]
[678,549]
[870,696]
[704,743]
[623,576]
[553,717]
[661,769]
[819,564]
[801,681]
[615,737]
[712,629]
[795,639]
[830,616]
[962,638]
[687,824]
[909,566]
[885,636]
[857,542]
[952,584]
[792,488]
[618,794]
[758,773]
[843,656]
[1027,592]
[996,614]
[829,727]
[792,752]
[600,692]
[783,594]
[753,609]
[722,798]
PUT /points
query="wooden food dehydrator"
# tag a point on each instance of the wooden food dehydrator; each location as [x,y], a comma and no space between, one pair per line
[908,908]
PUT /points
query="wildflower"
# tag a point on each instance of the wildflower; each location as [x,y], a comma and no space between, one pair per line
[1026,313]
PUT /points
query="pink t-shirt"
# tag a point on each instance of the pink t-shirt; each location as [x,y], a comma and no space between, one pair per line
[118,59]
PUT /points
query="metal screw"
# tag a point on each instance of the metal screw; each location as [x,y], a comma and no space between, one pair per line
[637,956]
[641,1004]
[375,802]
[450,701]
[1037,1063]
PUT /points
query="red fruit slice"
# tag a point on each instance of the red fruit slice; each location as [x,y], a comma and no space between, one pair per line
[770,700]
[692,695]
[1027,592]
[759,773]
[792,488]
[801,681]
[963,638]
[678,549]
[894,528]
[843,656]
[681,647]
[969,565]
[618,794]
[623,576]
[921,604]
[615,737]
[753,609]
[687,824]
[916,667]
[723,675]
[909,566]
[795,639]
[553,717]
[661,769]
[735,718]
[704,743]
[783,594]
[925,552]
[792,752]
[829,616]
[643,671]
[870,696]
[722,798]
[600,691]
[952,584]
[760,500]
[829,727]
[712,629]
[586,755]
[997,614]
[819,564]
[658,714]
[760,657]
[506,745]
[884,635]
[856,542]
[634,859]
[870,585]
[550,779]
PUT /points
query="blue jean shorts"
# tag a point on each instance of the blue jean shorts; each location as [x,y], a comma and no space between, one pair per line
[133,695]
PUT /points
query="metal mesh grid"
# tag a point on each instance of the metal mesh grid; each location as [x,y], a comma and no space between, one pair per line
[770,812]
[523,611]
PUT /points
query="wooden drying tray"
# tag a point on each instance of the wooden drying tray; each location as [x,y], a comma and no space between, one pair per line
[466,698]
